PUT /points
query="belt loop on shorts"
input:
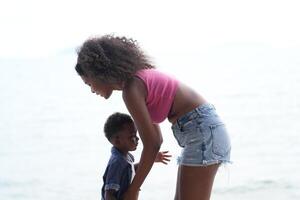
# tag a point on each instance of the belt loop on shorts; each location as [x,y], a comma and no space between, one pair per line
[198,111]
[213,106]
[177,123]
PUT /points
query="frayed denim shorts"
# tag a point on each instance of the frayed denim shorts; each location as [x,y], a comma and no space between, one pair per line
[203,137]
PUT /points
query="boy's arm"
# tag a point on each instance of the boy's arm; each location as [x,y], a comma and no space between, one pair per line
[112,182]
[109,195]
[162,156]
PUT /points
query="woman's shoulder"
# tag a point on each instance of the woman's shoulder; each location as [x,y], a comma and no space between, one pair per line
[134,87]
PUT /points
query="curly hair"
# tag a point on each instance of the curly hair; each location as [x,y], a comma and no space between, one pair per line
[111,59]
[114,124]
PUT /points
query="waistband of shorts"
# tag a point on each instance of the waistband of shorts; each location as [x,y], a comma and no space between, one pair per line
[200,110]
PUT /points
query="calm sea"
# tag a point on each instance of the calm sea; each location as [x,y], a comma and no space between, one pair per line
[52,145]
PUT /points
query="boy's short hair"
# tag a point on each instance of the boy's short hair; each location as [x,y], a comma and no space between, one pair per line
[114,124]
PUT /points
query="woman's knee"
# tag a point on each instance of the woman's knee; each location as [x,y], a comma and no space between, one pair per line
[177,195]
[196,182]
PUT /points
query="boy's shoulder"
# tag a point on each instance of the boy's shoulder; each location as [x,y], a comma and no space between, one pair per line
[117,159]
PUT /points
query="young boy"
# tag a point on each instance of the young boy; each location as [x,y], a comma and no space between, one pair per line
[120,131]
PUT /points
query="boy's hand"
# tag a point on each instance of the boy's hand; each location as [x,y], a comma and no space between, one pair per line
[163,157]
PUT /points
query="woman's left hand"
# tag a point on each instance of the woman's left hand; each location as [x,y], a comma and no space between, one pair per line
[163,157]
[130,195]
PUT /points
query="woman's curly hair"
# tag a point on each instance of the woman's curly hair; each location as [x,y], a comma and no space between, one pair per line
[111,59]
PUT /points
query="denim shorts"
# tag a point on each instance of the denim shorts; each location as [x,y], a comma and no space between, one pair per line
[203,136]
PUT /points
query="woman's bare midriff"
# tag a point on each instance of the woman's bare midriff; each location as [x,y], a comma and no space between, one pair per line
[186,99]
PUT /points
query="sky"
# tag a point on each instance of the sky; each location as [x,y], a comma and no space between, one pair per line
[39,28]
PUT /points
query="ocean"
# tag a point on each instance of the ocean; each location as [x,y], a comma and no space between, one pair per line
[52,145]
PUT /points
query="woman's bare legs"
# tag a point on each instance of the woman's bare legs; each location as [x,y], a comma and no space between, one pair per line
[177,194]
[195,183]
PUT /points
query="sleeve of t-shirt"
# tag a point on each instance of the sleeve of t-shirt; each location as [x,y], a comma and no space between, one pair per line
[113,177]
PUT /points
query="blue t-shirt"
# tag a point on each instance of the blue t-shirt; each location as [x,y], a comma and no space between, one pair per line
[118,173]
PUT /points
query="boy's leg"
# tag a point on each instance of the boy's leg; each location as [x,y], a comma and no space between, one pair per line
[196,182]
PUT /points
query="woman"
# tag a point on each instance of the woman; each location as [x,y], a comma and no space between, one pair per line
[111,63]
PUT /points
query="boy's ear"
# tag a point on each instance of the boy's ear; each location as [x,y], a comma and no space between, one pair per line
[115,140]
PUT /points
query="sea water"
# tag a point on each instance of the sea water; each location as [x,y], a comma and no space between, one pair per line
[52,144]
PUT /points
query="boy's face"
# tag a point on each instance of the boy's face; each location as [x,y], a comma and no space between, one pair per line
[127,139]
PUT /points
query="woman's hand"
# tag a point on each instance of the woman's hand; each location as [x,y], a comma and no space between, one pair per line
[130,195]
[163,157]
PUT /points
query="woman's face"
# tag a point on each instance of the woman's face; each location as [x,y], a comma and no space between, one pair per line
[100,88]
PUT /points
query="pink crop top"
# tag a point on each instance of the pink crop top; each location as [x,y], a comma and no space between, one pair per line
[161,90]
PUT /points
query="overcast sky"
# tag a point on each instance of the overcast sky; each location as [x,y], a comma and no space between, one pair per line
[35,28]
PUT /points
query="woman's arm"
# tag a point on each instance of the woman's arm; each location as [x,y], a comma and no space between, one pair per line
[136,165]
[134,95]
[109,195]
